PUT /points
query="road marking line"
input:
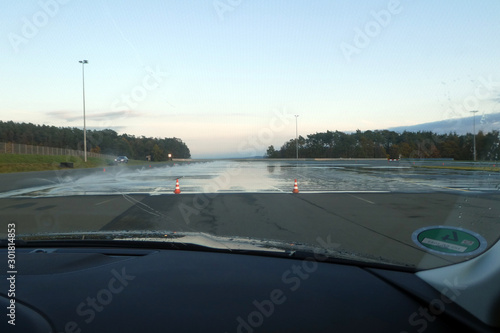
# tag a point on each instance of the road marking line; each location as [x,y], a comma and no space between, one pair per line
[103,202]
[278,189]
[355,196]
[456,189]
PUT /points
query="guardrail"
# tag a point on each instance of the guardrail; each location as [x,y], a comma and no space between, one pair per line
[22,149]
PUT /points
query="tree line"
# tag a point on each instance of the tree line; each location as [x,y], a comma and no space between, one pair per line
[105,141]
[390,144]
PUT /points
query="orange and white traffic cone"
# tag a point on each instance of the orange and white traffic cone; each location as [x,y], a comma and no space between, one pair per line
[177,188]
[295,187]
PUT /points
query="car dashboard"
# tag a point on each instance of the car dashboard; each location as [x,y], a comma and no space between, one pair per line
[127,289]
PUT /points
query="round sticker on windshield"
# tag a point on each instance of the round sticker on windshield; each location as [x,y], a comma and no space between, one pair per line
[449,240]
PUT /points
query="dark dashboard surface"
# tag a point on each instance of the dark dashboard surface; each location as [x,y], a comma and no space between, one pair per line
[134,290]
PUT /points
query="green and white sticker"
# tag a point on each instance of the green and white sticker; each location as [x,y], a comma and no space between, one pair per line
[449,240]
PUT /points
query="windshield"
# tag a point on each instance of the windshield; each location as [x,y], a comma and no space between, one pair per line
[364,130]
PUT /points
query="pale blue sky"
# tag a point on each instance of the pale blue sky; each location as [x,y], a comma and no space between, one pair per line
[227,76]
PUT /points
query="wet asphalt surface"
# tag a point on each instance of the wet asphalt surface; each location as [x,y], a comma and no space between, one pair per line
[370,208]
[253,177]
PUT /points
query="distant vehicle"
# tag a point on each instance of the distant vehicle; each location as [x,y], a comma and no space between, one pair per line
[121,159]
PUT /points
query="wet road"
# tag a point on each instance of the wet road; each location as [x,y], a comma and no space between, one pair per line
[254,177]
[369,208]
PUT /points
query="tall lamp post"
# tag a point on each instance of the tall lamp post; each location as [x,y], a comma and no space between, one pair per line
[296,137]
[474,131]
[83,62]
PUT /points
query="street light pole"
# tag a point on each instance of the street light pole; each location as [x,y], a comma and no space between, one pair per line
[296,137]
[83,62]
[474,130]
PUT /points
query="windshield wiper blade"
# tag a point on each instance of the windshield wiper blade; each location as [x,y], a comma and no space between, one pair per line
[164,239]
[198,241]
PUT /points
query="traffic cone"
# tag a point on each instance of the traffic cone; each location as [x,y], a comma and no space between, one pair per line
[177,189]
[295,187]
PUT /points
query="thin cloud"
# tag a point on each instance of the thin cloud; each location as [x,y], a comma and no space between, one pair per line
[118,129]
[212,115]
[64,115]
[72,116]
[114,115]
